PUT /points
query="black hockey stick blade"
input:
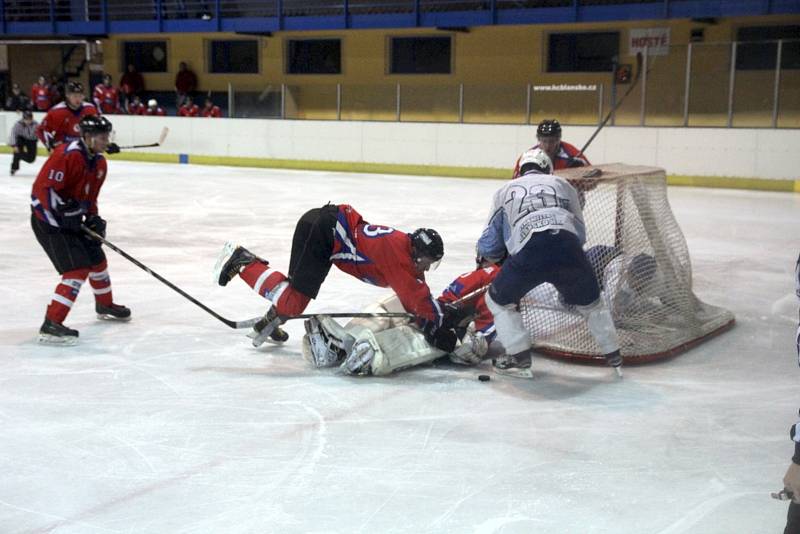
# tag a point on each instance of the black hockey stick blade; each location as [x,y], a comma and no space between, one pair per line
[142,266]
[161,138]
[783,495]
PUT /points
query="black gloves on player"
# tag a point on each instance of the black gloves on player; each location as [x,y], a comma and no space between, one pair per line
[96,224]
[455,315]
[574,162]
[112,148]
[440,337]
[70,215]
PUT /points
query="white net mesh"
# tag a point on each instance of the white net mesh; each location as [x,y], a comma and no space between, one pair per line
[642,263]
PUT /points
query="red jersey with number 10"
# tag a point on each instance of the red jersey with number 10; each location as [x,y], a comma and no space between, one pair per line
[69,173]
[382,256]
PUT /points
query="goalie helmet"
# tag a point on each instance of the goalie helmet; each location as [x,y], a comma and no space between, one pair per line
[535,160]
[549,128]
[427,243]
[93,124]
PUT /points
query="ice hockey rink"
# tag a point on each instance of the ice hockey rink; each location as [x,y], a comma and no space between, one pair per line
[174,423]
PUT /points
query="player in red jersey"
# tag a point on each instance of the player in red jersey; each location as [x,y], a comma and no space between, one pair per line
[40,95]
[136,106]
[60,125]
[189,108]
[106,96]
[210,110]
[154,109]
[64,198]
[381,345]
[563,155]
[338,235]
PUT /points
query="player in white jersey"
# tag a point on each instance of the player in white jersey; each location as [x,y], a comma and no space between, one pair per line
[538,220]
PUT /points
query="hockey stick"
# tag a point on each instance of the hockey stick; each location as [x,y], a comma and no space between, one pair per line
[469,296]
[616,106]
[233,324]
[349,314]
[161,139]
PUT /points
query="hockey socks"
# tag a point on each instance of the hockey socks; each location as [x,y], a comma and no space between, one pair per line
[101,284]
[275,287]
[65,294]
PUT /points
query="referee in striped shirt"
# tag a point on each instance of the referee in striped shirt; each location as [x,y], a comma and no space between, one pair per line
[23,140]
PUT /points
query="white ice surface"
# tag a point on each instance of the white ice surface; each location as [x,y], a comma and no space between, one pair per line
[173,423]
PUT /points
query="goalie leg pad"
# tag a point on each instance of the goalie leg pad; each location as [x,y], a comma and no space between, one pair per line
[510,329]
[325,343]
[402,347]
[601,326]
[359,361]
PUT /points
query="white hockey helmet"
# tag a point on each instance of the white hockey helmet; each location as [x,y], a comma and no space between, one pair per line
[152,103]
[535,160]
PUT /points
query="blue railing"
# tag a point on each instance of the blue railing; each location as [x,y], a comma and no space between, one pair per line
[99,17]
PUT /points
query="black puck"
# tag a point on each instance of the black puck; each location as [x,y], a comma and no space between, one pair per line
[484,378]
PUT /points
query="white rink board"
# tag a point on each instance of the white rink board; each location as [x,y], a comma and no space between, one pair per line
[172,423]
[736,152]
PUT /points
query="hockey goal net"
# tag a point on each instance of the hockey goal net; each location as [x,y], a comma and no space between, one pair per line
[642,262]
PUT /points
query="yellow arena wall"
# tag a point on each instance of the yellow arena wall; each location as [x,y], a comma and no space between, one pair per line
[495,64]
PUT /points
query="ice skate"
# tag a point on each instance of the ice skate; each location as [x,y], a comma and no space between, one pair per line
[359,361]
[265,328]
[323,350]
[614,359]
[52,333]
[115,312]
[518,364]
[232,259]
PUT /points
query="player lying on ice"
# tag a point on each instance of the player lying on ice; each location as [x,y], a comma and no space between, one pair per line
[338,235]
[630,286]
[538,221]
[381,345]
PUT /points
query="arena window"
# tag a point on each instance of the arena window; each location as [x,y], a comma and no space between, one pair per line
[582,52]
[420,55]
[235,57]
[314,56]
[754,55]
[146,56]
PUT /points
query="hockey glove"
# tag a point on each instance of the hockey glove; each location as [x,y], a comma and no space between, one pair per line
[113,148]
[574,162]
[96,224]
[455,315]
[70,215]
[442,338]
